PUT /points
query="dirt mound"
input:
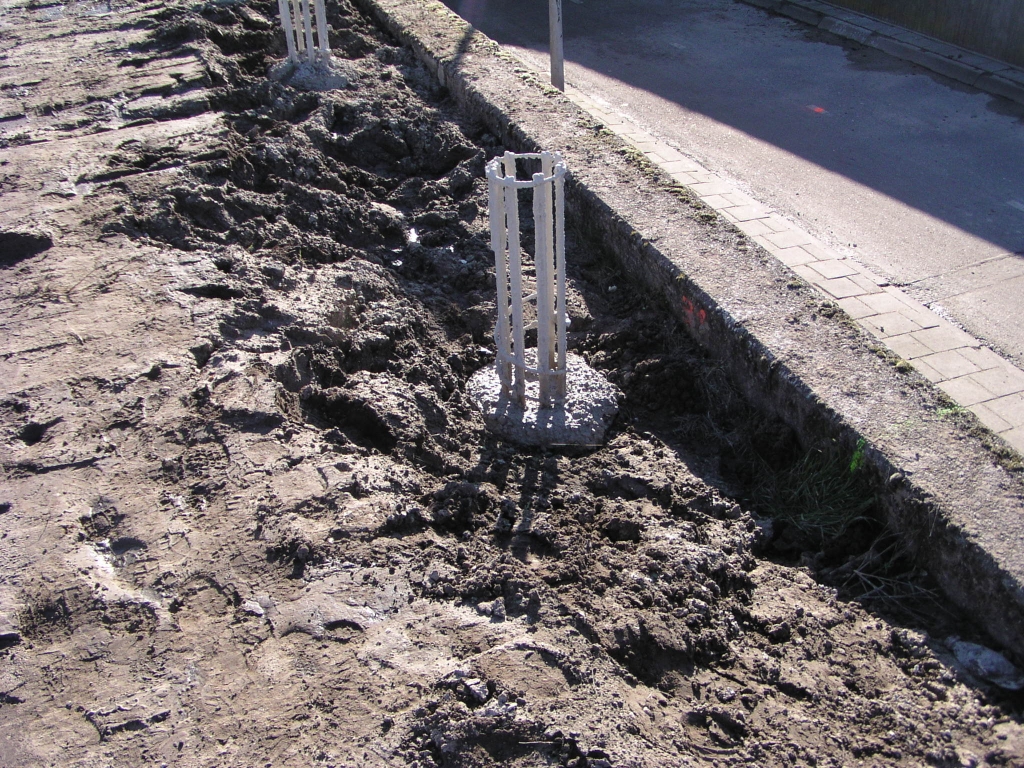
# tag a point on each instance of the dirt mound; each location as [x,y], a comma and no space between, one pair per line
[251,516]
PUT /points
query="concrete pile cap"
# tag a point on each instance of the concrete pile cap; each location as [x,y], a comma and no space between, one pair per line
[582,419]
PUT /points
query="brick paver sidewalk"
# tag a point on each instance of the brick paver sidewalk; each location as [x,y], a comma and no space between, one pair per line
[971,374]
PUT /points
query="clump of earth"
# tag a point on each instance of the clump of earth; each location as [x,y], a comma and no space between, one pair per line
[250,516]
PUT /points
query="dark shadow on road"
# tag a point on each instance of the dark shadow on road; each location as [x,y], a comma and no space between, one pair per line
[852,110]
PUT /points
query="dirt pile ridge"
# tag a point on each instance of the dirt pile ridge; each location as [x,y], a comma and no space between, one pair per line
[249,515]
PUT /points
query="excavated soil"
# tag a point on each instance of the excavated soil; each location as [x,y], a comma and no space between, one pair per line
[250,517]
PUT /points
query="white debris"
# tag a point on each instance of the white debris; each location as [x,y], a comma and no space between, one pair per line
[987,664]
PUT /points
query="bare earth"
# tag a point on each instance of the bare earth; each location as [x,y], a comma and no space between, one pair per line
[249,516]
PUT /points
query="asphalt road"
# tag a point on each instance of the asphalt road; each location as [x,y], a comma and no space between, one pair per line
[919,178]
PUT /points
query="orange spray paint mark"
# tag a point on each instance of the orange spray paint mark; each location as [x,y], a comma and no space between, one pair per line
[695,316]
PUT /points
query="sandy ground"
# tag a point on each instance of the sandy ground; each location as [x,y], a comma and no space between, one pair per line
[249,515]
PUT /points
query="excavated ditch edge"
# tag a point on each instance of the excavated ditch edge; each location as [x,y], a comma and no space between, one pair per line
[961,513]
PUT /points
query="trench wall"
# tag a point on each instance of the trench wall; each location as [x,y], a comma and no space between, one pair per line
[794,356]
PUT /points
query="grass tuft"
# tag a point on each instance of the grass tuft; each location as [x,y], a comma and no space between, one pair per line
[821,496]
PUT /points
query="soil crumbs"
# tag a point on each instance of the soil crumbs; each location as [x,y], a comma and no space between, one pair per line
[249,516]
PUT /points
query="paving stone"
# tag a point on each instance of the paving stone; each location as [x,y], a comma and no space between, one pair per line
[818,251]
[756,228]
[703,176]
[791,257]
[682,177]
[712,188]
[924,317]
[1015,437]
[988,418]
[902,296]
[983,357]
[906,346]
[670,155]
[680,166]
[738,198]
[832,268]
[778,224]
[634,134]
[1004,380]
[950,364]
[647,146]
[803,270]
[761,241]
[869,275]
[890,324]
[928,372]
[840,288]
[725,214]
[748,212]
[965,390]
[717,202]
[944,337]
[869,285]
[884,302]
[788,238]
[854,306]
[1009,408]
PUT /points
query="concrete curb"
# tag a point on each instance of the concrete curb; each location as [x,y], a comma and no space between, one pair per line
[977,378]
[960,511]
[982,72]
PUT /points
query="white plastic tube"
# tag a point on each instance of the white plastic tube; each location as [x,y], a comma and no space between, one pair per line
[321,32]
[289,31]
[543,258]
[308,27]
[549,260]
[561,311]
[502,335]
[515,269]
[300,39]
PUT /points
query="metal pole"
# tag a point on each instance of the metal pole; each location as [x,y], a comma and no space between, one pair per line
[557,62]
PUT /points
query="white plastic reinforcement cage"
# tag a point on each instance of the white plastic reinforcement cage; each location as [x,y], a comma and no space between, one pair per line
[549,261]
[297,24]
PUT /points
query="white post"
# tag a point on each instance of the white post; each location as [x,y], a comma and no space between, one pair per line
[549,260]
[561,311]
[289,32]
[308,26]
[557,58]
[515,263]
[321,32]
[544,261]
[300,39]
[497,194]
